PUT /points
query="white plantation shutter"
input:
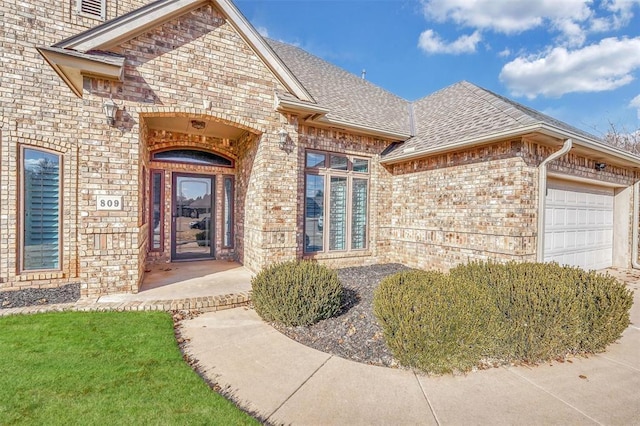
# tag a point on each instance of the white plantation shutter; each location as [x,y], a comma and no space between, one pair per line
[94,8]
[41,210]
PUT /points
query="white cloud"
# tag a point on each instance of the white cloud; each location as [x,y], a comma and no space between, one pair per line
[595,68]
[622,11]
[572,34]
[505,16]
[263,31]
[505,52]
[572,20]
[431,42]
[635,103]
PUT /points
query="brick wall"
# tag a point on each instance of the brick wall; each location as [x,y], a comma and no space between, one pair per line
[171,70]
[452,208]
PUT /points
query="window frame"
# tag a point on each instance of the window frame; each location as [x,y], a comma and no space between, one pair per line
[232,218]
[154,157]
[22,208]
[327,173]
[160,173]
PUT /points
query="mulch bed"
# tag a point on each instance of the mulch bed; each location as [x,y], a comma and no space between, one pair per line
[39,296]
[353,334]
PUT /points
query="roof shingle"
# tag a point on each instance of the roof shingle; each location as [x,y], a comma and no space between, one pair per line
[348,97]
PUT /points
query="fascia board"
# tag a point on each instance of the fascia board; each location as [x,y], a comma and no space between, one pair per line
[112,33]
[263,50]
[578,140]
[359,128]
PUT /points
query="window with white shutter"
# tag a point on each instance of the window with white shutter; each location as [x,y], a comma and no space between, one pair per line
[41,209]
[93,8]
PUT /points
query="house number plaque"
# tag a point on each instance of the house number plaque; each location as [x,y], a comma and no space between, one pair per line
[109,202]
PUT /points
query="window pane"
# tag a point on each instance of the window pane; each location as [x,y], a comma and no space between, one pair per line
[228,212]
[359,214]
[41,174]
[338,162]
[156,208]
[338,214]
[361,165]
[314,213]
[315,160]
[192,156]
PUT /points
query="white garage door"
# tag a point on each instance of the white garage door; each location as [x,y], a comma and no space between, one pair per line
[579,225]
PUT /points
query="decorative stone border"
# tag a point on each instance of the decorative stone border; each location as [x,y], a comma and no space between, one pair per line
[201,304]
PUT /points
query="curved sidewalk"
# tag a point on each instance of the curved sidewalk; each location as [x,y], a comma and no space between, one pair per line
[285,382]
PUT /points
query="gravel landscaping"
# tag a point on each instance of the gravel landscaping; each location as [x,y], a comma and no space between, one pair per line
[39,296]
[353,334]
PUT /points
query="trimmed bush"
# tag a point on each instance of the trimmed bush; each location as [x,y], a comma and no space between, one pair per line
[513,312]
[550,310]
[434,323]
[296,293]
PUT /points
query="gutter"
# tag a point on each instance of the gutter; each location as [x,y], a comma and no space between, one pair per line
[542,195]
[520,131]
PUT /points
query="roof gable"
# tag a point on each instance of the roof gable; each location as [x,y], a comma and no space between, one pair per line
[88,47]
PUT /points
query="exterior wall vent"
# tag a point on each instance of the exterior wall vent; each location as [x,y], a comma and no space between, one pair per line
[93,8]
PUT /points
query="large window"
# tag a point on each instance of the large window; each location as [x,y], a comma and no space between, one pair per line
[336,202]
[40,208]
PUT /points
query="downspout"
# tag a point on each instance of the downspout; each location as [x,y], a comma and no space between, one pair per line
[542,194]
[634,226]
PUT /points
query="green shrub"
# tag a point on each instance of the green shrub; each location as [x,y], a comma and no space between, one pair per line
[296,293]
[550,310]
[504,312]
[434,323]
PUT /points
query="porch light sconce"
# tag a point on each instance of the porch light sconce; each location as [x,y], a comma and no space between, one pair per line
[110,109]
[282,142]
[600,166]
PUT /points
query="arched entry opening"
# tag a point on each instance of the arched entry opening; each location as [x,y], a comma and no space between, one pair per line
[192,174]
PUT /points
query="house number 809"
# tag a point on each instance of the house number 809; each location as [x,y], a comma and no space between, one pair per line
[109,202]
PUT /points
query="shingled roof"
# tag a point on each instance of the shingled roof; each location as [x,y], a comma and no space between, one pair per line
[464,112]
[348,98]
[460,115]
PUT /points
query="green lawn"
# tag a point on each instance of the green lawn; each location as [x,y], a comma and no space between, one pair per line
[102,368]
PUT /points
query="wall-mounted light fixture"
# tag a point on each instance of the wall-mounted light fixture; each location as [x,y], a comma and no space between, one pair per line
[110,109]
[600,166]
[282,141]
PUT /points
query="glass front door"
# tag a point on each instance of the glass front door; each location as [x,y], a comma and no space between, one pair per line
[192,217]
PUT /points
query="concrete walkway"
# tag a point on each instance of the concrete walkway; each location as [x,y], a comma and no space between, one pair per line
[285,382]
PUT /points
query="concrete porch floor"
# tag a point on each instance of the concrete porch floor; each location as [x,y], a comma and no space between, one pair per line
[188,280]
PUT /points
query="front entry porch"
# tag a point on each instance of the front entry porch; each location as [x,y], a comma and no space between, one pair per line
[205,285]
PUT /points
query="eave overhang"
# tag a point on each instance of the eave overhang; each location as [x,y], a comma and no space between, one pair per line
[316,115]
[72,66]
[620,157]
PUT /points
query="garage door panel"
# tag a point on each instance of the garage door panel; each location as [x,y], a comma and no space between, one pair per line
[579,225]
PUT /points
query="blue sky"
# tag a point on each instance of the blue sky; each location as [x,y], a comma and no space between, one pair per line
[578,61]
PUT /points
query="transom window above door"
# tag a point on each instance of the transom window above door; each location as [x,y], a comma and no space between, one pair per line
[192,156]
[336,202]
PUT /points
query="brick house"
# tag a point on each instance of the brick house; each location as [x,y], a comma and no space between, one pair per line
[226,145]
